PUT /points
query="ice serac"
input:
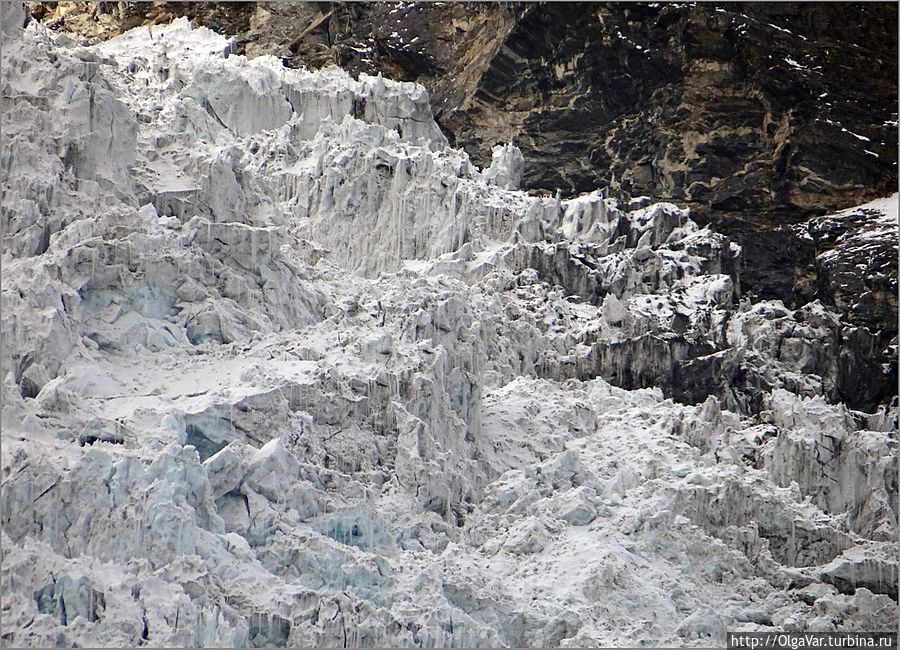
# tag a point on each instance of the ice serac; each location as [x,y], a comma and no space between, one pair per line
[283,368]
[506,167]
[12,18]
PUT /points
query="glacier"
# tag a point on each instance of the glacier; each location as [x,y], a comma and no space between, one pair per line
[282,367]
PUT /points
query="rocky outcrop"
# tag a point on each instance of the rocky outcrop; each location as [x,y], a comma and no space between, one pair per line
[855,262]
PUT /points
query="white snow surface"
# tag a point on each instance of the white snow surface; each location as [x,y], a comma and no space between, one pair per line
[280,367]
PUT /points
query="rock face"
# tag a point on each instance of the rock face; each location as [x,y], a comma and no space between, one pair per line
[282,367]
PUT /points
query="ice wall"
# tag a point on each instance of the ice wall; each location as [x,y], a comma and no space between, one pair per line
[282,368]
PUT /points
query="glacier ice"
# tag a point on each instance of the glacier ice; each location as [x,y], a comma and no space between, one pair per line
[281,367]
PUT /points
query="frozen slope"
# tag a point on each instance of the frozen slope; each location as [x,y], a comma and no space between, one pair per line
[282,368]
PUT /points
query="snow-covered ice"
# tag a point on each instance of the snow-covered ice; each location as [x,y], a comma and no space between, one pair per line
[281,367]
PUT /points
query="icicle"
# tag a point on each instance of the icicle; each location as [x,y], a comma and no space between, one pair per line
[794,539]
[399,225]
